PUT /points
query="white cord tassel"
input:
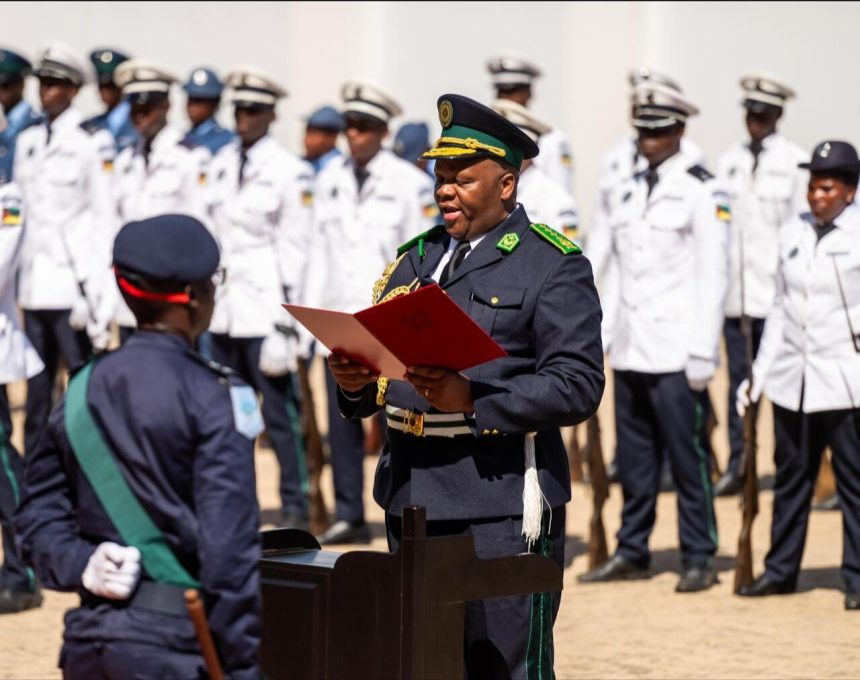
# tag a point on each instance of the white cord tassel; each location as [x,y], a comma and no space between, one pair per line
[533,498]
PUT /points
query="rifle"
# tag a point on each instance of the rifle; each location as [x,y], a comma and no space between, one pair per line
[574,456]
[204,635]
[317,513]
[597,550]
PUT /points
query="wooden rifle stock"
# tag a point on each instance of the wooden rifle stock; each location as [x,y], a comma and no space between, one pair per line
[749,495]
[317,513]
[574,456]
[204,635]
[597,550]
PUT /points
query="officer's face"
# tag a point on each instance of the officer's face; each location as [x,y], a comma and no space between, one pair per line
[56,95]
[364,136]
[11,93]
[110,94]
[200,110]
[658,144]
[148,117]
[252,122]
[319,141]
[472,195]
[202,306]
[763,123]
[828,196]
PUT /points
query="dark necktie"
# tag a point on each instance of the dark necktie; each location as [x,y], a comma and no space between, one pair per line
[821,230]
[147,149]
[243,161]
[48,138]
[651,178]
[361,175]
[756,147]
[457,258]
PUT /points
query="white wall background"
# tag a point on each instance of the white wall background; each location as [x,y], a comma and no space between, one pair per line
[421,50]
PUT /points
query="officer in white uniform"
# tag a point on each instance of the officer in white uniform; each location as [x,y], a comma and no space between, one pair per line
[669,235]
[18,361]
[765,188]
[809,367]
[259,202]
[512,76]
[160,174]
[545,201]
[67,200]
[367,204]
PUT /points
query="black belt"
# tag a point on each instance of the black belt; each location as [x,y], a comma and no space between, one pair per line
[158,597]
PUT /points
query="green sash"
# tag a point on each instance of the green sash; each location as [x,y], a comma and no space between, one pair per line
[119,502]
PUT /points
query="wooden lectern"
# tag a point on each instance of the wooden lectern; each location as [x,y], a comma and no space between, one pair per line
[379,615]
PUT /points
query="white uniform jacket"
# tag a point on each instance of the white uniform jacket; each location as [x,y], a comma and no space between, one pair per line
[810,349]
[264,229]
[671,250]
[546,202]
[18,359]
[556,159]
[66,189]
[357,233]
[760,203]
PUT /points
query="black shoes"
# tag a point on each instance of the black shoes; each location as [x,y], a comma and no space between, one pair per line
[831,503]
[345,532]
[14,601]
[763,586]
[696,579]
[616,568]
[852,601]
[293,520]
[727,485]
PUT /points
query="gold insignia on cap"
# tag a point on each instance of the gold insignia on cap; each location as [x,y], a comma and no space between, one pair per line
[825,150]
[446,112]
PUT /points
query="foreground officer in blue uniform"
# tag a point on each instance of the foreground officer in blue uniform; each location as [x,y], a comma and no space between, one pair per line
[143,482]
[19,114]
[204,89]
[117,118]
[471,446]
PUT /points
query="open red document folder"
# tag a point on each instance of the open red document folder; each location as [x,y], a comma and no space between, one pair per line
[423,328]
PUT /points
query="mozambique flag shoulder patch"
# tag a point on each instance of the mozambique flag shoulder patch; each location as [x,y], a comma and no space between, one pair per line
[724,213]
[107,165]
[560,241]
[307,198]
[201,178]
[11,217]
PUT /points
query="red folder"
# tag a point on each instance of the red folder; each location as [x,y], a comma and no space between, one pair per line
[423,328]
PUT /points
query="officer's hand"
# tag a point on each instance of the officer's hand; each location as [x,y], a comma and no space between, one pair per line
[80,314]
[446,390]
[112,571]
[747,394]
[351,376]
[99,336]
[278,354]
[699,372]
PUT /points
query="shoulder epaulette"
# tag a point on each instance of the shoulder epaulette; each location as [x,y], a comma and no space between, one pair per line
[700,173]
[438,229]
[560,241]
[188,144]
[90,126]
[219,369]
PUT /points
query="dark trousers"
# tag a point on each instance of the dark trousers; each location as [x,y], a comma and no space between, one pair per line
[280,409]
[14,574]
[346,440]
[800,441]
[737,353]
[52,338]
[505,637]
[657,414]
[121,659]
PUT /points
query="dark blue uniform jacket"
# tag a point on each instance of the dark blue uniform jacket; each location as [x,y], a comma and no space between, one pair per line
[168,418]
[542,307]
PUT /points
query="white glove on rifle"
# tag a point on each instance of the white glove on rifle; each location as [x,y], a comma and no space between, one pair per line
[112,571]
[747,395]
[278,354]
[699,373]
[99,336]
[80,314]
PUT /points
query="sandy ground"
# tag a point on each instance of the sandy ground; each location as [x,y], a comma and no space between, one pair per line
[638,629]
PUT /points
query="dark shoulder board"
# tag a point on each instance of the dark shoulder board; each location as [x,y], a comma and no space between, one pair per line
[426,236]
[188,144]
[219,370]
[91,126]
[700,173]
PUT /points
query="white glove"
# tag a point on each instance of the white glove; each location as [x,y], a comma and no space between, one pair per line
[699,373]
[112,571]
[99,336]
[278,354]
[80,314]
[747,395]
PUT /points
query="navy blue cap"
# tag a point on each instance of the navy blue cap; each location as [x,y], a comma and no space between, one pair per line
[203,83]
[326,118]
[166,248]
[105,60]
[411,140]
[13,66]
[833,156]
